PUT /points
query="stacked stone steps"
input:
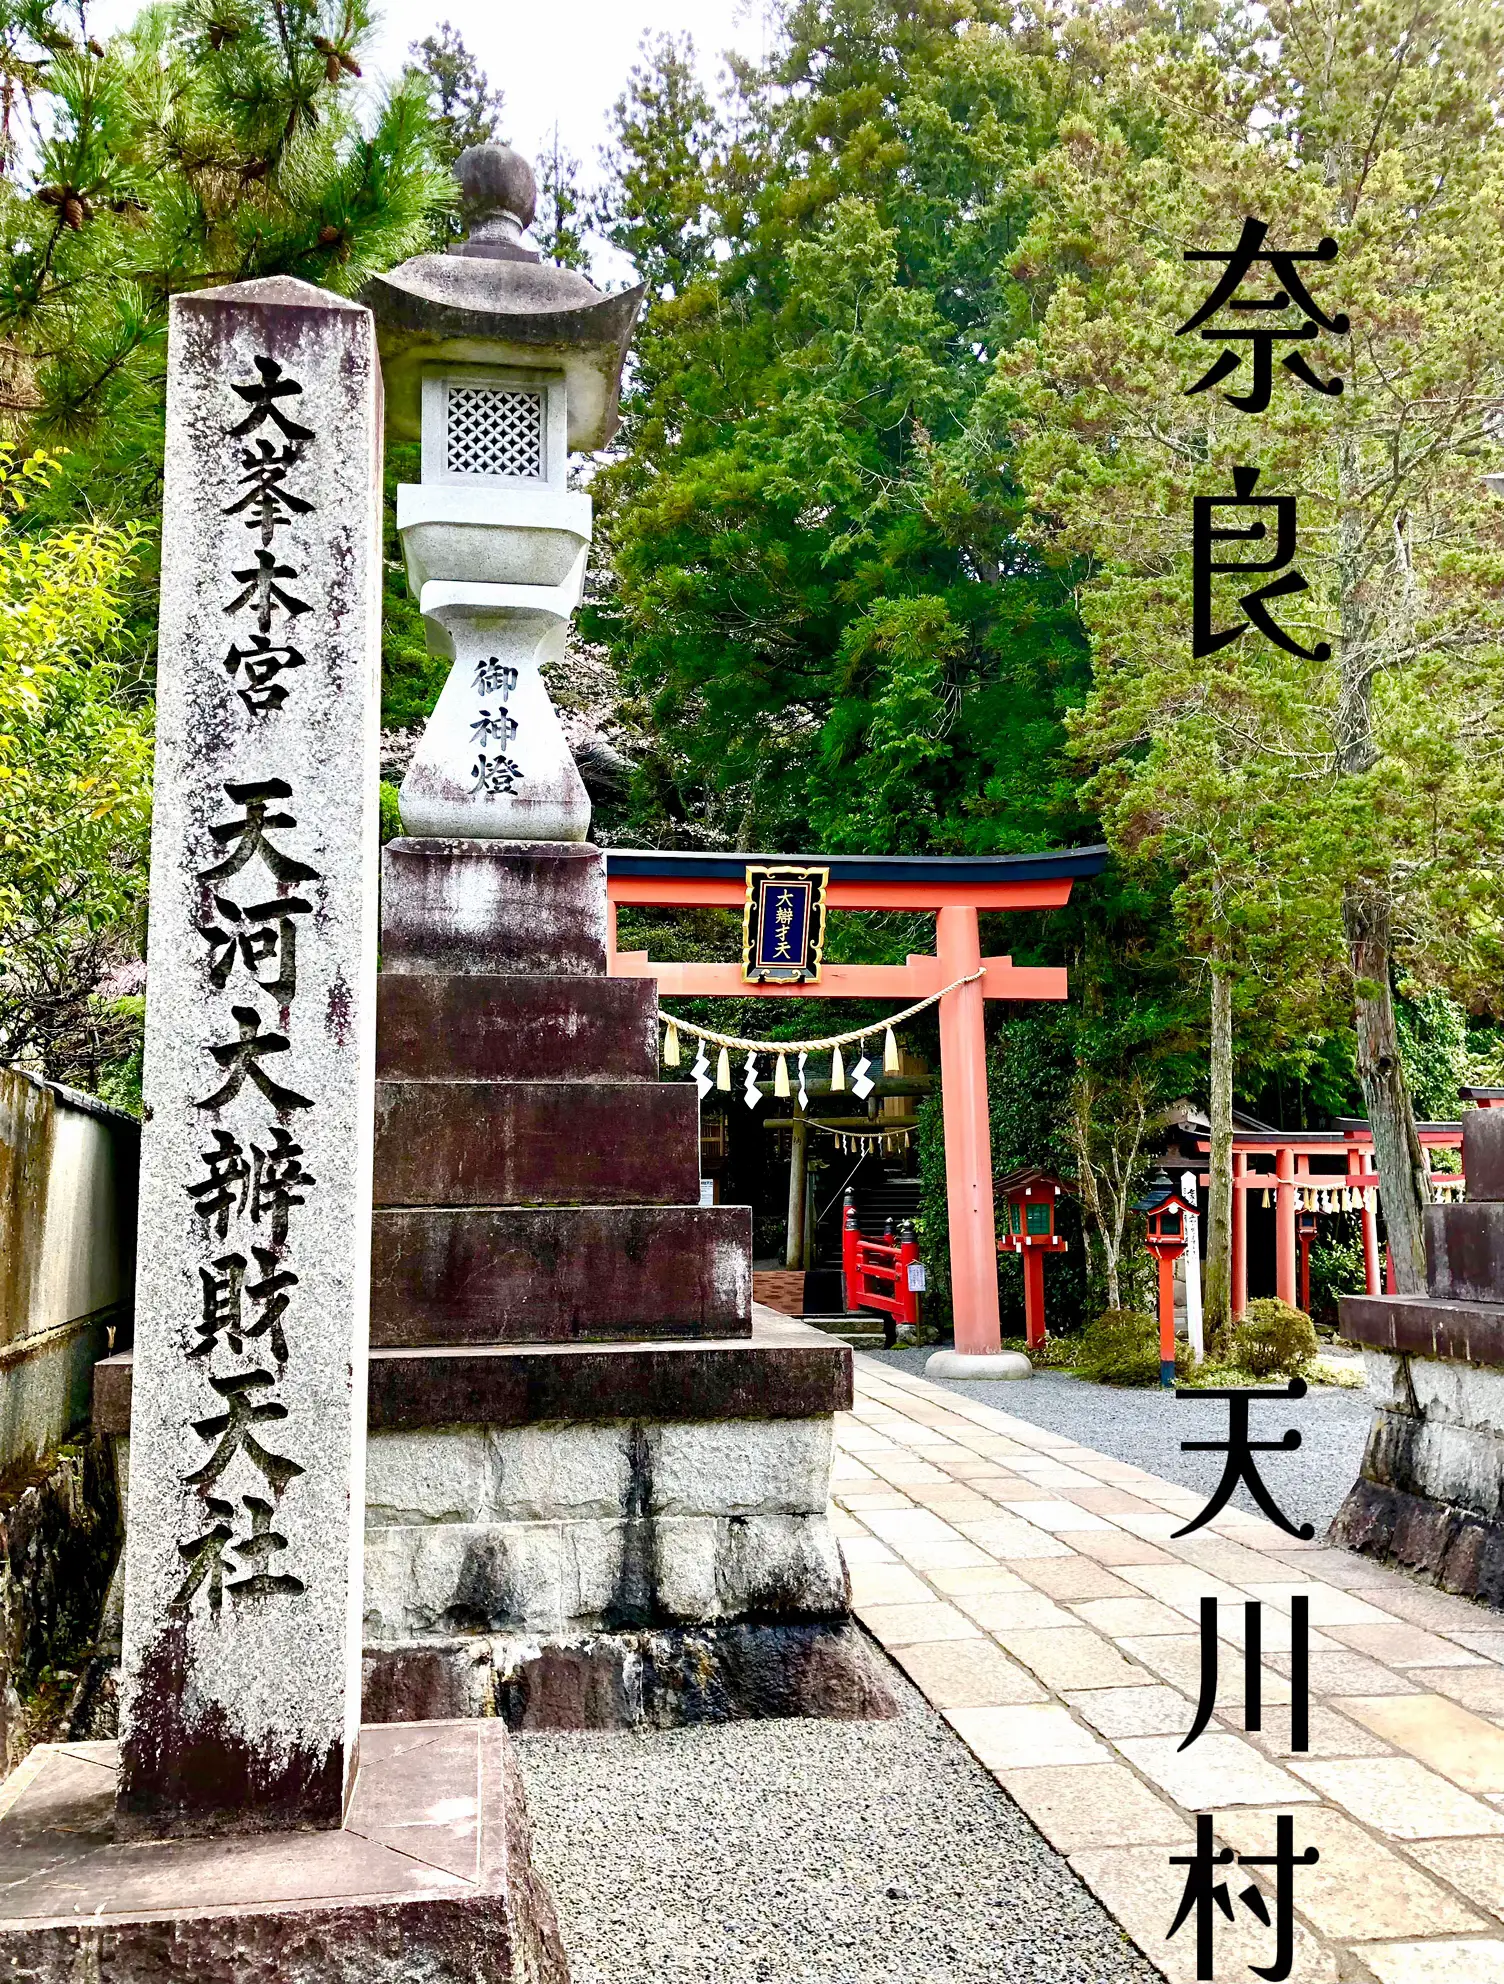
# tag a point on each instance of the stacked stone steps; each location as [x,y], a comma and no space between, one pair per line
[497,1143]
[472,1026]
[576,1427]
[534,1180]
[556,1274]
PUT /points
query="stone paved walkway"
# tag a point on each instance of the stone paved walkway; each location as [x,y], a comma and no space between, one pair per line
[1034,1592]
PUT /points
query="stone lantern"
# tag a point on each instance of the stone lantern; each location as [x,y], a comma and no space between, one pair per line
[557,1322]
[502,366]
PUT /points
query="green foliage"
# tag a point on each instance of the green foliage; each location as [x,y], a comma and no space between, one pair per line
[466,110]
[411,677]
[75,785]
[563,215]
[820,588]
[1332,818]
[391,814]
[1271,1339]
[210,142]
[1336,1269]
[117,1079]
[1434,1046]
[1119,1347]
[656,204]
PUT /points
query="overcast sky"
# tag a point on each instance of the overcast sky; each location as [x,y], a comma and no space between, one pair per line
[565,62]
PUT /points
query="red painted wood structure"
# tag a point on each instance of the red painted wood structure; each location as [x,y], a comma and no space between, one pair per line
[1165,1215]
[875,1273]
[1029,1198]
[1297,1165]
[955,888]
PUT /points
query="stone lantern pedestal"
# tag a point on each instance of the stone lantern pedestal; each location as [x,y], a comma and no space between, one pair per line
[1430,1495]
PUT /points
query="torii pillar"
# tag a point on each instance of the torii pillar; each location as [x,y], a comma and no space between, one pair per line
[968,1142]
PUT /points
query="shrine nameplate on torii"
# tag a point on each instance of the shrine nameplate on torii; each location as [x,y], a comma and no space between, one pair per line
[955,888]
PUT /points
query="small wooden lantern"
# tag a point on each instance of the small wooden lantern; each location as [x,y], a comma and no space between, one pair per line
[1029,1199]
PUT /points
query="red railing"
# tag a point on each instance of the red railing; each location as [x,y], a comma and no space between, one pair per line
[876,1272]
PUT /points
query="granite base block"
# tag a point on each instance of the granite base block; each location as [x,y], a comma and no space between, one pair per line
[498,908]
[516,1143]
[457,1026]
[560,1577]
[784,1370]
[430,1880]
[661,1679]
[1431,1492]
[558,1274]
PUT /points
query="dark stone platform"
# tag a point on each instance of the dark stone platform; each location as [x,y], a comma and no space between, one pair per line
[454,1026]
[529,1143]
[558,1274]
[659,1678]
[1425,1326]
[1465,1252]
[493,906]
[783,1370]
[430,1878]
[1430,1494]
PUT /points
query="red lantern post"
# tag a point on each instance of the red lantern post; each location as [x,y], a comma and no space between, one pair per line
[1029,1198]
[1165,1211]
[1306,1230]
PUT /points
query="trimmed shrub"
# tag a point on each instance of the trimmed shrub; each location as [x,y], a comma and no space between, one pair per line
[1273,1340]
[1121,1347]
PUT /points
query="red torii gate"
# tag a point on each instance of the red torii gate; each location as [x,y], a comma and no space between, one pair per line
[955,888]
[1349,1150]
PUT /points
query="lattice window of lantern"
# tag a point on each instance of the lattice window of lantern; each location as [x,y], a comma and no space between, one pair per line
[493,430]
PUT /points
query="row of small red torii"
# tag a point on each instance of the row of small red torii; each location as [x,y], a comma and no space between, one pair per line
[1030,1197]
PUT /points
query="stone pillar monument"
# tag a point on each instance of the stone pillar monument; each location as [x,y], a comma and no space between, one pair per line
[241,1701]
[242,1685]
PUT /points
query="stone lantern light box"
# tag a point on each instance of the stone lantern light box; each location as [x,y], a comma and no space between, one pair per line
[501,365]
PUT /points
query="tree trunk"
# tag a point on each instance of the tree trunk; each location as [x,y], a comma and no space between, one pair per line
[1088,1188]
[1403,1185]
[1114,1294]
[1218,1307]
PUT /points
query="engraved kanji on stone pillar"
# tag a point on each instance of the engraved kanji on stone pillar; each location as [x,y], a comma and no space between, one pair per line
[241,1686]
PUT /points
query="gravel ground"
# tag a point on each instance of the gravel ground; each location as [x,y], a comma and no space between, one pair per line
[1146,1428]
[806,1852]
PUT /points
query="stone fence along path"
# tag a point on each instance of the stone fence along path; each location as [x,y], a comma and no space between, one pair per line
[1034,1591]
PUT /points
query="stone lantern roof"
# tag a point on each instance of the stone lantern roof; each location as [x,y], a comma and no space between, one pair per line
[492,300]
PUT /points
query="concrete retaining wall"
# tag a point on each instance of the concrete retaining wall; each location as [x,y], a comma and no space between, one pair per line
[68,1168]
